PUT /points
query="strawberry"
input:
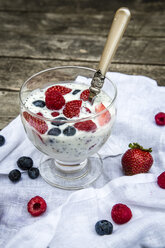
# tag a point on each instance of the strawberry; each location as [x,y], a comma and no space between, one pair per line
[161,180]
[85,95]
[54,114]
[54,100]
[103,118]
[72,108]
[63,90]
[136,160]
[88,126]
[35,122]
[36,206]
[160,119]
[121,214]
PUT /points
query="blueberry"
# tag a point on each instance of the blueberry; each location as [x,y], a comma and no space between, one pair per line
[69,131]
[57,121]
[75,92]
[14,175]
[104,227]
[39,103]
[2,140]
[25,163]
[54,131]
[33,172]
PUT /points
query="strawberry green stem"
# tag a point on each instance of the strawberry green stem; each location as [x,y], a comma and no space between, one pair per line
[137,146]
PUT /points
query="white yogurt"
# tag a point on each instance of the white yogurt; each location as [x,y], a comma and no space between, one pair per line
[69,149]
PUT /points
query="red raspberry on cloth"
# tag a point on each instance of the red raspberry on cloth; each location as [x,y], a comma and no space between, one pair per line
[54,100]
[121,213]
[160,119]
[72,108]
[36,206]
[161,180]
[85,95]
[88,126]
[62,89]
[35,122]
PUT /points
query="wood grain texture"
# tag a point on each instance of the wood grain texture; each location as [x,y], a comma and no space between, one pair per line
[140,25]
[4,121]
[19,72]
[85,6]
[82,48]
[40,34]
[9,103]
[15,71]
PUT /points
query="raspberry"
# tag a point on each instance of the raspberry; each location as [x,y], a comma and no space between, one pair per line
[38,124]
[103,118]
[63,90]
[72,108]
[54,100]
[160,119]
[36,206]
[161,180]
[54,114]
[85,95]
[39,114]
[88,126]
[121,213]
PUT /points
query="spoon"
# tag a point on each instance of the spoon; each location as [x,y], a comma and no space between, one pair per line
[119,24]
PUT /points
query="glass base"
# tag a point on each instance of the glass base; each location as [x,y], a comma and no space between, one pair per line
[65,176]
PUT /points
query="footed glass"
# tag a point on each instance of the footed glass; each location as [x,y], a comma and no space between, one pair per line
[70,143]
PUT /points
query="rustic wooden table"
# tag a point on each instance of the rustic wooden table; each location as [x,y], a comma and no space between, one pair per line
[35,35]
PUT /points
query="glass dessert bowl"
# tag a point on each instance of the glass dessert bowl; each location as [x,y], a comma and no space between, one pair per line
[61,123]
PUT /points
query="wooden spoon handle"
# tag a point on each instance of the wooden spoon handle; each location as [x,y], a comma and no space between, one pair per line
[116,32]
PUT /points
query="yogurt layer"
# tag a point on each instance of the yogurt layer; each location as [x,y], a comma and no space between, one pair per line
[79,144]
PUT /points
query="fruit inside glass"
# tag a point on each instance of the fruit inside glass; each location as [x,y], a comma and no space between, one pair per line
[61,123]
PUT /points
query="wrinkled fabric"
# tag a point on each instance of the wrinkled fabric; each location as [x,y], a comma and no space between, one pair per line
[71,215]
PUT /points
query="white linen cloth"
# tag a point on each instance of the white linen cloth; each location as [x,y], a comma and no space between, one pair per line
[71,216]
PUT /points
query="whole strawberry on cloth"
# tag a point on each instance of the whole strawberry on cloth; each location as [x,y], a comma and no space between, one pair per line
[136,160]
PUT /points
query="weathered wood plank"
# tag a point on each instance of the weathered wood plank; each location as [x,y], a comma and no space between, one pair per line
[141,24]
[9,104]
[54,33]
[4,121]
[13,72]
[78,6]
[82,48]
